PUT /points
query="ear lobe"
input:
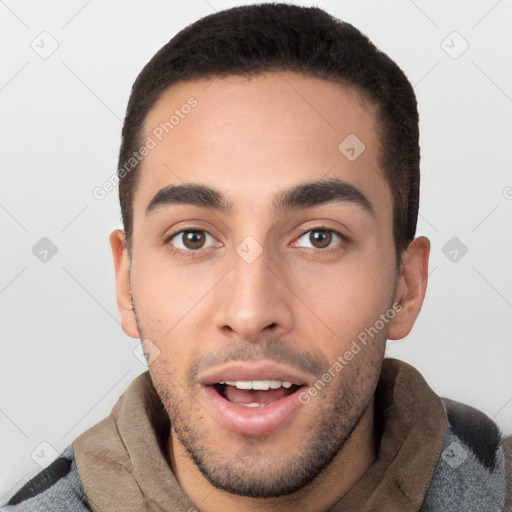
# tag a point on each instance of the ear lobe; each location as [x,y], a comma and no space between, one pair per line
[122,270]
[411,287]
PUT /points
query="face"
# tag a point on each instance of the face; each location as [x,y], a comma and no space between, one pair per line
[262,251]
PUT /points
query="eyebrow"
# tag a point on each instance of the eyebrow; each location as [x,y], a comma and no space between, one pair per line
[305,195]
[190,194]
[316,193]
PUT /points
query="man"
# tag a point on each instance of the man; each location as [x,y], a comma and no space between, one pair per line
[269,186]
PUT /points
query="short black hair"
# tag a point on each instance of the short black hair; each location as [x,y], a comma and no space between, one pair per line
[248,40]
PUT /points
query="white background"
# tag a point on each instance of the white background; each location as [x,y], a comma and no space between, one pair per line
[64,359]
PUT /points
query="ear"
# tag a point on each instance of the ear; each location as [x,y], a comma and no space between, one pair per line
[122,269]
[411,287]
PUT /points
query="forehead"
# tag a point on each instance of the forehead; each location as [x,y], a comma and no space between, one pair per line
[252,137]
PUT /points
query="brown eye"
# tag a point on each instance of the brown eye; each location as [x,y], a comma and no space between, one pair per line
[320,239]
[191,240]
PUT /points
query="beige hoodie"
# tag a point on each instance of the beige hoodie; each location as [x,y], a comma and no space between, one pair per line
[123,465]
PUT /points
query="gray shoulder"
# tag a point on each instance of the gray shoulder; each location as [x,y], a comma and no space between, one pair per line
[471,473]
[508,455]
[56,488]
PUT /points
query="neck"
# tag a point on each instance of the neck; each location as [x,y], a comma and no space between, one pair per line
[343,472]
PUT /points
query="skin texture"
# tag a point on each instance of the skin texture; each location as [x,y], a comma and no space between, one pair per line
[298,304]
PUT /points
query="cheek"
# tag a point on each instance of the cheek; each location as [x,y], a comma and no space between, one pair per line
[347,297]
[173,306]
[166,292]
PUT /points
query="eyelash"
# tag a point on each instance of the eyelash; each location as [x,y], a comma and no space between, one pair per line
[194,253]
[182,253]
[327,250]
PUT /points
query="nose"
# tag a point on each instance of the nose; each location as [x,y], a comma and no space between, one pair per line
[254,300]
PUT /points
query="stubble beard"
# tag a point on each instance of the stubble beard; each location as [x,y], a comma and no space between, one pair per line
[251,471]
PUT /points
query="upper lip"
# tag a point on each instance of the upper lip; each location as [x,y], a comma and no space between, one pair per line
[250,370]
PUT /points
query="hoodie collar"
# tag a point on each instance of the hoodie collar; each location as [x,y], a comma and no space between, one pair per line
[123,465]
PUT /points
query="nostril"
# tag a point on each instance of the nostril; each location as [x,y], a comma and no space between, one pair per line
[272,325]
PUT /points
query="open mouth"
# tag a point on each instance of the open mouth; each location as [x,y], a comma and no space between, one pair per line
[253,398]
[255,393]
[253,407]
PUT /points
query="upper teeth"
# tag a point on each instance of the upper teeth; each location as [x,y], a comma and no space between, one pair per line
[262,385]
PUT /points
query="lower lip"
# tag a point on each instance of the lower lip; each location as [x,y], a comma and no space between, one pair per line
[252,421]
